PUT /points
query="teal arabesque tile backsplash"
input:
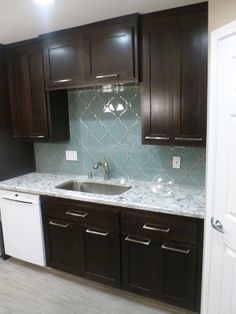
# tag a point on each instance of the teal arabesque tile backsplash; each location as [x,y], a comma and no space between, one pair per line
[109,125]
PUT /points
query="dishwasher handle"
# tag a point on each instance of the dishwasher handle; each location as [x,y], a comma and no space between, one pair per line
[17,201]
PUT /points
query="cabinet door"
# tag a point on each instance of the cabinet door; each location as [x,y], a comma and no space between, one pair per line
[111,54]
[159,72]
[191,87]
[37,98]
[20,111]
[27,94]
[139,261]
[63,63]
[101,255]
[175,77]
[62,245]
[177,274]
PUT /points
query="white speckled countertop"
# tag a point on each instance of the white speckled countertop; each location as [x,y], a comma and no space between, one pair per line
[180,200]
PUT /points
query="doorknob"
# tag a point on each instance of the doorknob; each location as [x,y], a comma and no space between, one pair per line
[217,225]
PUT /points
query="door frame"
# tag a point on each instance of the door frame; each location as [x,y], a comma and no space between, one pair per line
[215,37]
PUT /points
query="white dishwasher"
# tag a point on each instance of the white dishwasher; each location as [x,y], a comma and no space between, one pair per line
[22,226]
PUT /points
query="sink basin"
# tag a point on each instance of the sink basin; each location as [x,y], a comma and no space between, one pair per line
[94,187]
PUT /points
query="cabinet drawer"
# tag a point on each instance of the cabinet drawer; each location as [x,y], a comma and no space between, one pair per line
[161,227]
[81,212]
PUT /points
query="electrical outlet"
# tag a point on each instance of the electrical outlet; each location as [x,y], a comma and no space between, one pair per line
[71,155]
[176,163]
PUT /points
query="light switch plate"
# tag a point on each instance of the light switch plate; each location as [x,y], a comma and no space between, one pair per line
[176,163]
[71,155]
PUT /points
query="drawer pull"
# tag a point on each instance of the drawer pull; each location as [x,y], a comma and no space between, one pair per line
[137,241]
[63,81]
[77,214]
[158,228]
[104,234]
[169,248]
[157,138]
[107,75]
[58,225]
[196,139]
[37,136]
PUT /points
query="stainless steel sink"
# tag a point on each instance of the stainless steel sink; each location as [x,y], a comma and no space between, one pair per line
[94,187]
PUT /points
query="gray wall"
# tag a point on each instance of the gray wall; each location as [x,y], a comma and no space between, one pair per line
[221,12]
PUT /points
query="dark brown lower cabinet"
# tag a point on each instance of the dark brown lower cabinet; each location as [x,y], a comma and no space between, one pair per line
[165,271]
[101,255]
[62,245]
[152,254]
[177,274]
[139,261]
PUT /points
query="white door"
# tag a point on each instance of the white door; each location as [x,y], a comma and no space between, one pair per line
[219,276]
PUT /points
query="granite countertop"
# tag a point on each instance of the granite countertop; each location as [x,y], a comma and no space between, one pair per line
[169,198]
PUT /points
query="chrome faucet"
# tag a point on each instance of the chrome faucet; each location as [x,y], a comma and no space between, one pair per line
[105,167]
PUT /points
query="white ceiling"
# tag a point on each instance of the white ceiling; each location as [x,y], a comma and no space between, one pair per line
[24,19]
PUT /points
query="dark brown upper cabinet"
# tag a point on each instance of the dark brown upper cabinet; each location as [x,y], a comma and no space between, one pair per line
[111,51]
[94,54]
[63,61]
[20,72]
[33,112]
[175,76]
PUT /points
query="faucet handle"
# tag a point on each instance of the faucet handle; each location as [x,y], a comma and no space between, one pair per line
[105,162]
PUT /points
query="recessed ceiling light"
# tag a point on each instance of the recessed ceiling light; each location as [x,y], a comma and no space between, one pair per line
[44,2]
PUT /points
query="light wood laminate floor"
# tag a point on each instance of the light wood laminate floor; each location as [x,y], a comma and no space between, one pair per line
[28,289]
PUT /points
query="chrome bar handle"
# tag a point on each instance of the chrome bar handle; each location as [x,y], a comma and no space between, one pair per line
[20,136]
[81,214]
[62,81]
[217,225]
[104,234]
[137,241]
[107,75]
[169,248]
[58,225]
[196,139]
[37,136]
[156,138]
[158,228]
